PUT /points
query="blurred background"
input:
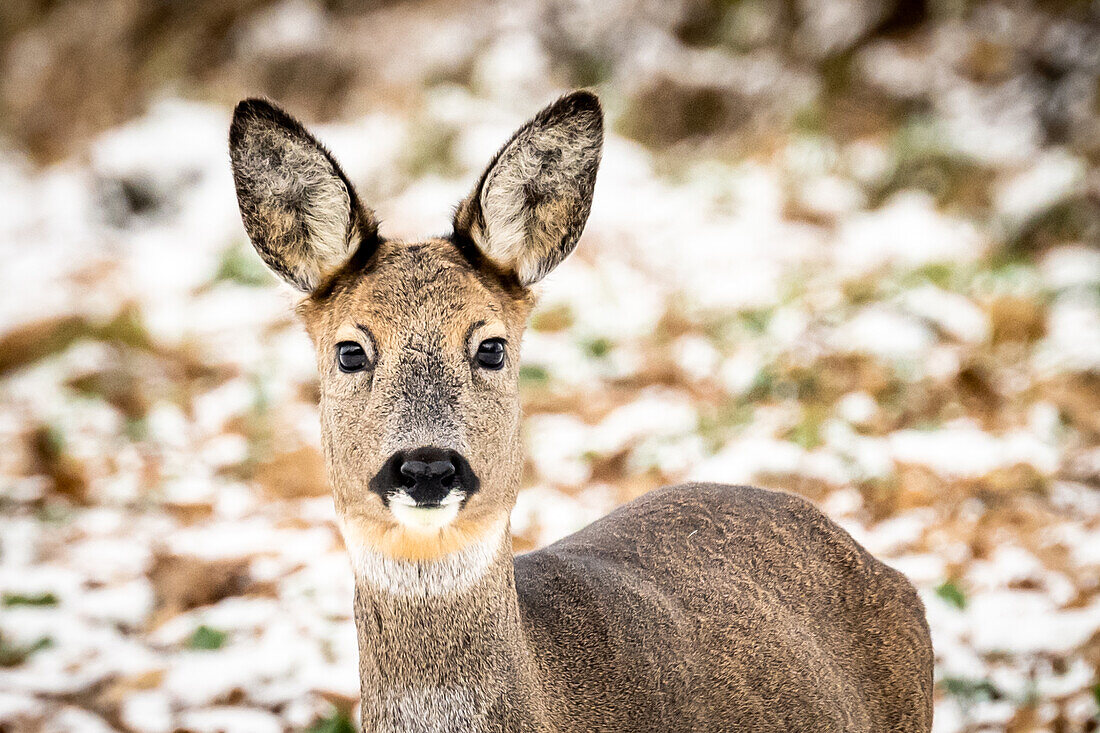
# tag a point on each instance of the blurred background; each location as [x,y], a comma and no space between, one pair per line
[844,248]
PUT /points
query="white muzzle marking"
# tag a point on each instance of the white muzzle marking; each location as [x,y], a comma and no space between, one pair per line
[425,518]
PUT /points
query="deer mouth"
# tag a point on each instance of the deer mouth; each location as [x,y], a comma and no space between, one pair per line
[402,498]
[426,515]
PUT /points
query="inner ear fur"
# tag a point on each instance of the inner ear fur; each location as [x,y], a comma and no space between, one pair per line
[530,205]
[299,208]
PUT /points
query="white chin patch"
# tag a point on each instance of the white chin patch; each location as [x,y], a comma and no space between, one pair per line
[425,518]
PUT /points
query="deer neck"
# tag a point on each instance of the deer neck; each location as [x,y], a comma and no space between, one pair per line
[441,645]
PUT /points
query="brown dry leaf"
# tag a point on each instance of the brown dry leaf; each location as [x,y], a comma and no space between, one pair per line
[811,488]
[977,392]
[1083,466]
[674,322]
[879,497]
[119,387]
[610,469]
[190,513]
[297,474]
[660,369]
[1016,319]
[1022,517]
[33,341]
[842,373]
[1026,720]
[118,689]
[344,703]
[1090,651]
[552,320]
[987,61]
[636,484]
[918,486]
[667,111]
[589,406]
[1078,397]
[68,473]
[1011,480]
[183,582]
[522,543]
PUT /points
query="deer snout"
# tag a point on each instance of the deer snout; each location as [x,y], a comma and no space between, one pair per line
[425,478]
[417,472]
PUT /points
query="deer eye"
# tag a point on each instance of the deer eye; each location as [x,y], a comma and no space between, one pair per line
[350,356]
[490,353]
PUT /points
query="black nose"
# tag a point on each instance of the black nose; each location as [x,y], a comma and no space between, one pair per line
[424,471]
[426,474]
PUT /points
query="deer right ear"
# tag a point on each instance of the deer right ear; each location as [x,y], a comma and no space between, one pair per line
[298,207]
[531,204]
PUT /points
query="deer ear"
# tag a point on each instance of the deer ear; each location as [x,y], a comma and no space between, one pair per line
[530,206]
[298,207]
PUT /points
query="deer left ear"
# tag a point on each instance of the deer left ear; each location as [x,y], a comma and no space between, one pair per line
[299,209]
[530,206]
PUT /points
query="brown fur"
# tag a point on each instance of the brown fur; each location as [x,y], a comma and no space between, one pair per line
[739,609]
[419,302]
[694,608]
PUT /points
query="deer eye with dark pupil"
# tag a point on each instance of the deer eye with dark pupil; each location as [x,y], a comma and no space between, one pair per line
[350,356]
[490,353]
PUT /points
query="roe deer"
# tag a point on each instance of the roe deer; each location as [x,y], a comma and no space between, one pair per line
[700,607]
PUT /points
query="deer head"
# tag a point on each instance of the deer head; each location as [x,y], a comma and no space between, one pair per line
[418,342]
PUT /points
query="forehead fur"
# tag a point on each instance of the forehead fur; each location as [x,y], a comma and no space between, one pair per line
[404,283]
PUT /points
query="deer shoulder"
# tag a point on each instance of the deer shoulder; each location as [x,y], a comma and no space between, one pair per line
[719,601]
